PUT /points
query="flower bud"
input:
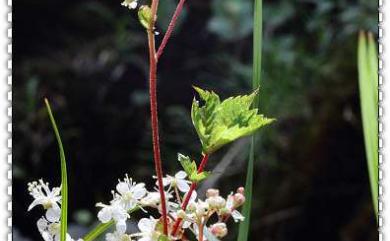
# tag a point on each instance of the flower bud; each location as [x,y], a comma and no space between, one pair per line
[219,230]
[211,192]
[181,214]
[239,199]
[241,190]
[145,16]
[216,202]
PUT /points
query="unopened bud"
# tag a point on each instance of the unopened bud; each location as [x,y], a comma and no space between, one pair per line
[216,202]
[219,230]
[211,192]
[239,199]
[241,190]
[181,214]
[145,16]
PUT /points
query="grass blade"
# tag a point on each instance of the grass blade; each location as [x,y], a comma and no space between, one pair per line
[243,233]
[368,85]
[64,180]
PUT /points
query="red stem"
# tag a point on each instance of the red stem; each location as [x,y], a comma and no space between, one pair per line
[189,194]
[154,115]
[171,26]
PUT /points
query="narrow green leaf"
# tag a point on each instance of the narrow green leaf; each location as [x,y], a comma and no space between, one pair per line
[368,86]
[64,180]
[244,228]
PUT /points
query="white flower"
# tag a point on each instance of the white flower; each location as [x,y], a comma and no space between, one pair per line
[116,236]
[49,199]
[130,192]
[132,4]
[147,226]
[153,199]
[178,181]
[50,231]
[115,212]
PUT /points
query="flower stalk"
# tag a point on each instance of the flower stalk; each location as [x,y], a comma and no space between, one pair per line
[154,113]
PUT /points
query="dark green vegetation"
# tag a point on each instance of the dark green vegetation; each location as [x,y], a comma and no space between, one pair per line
[89,58]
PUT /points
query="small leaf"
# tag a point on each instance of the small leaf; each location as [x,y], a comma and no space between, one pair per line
[64,180]
[219,123]
[145,16]
[188,165]
[198,177]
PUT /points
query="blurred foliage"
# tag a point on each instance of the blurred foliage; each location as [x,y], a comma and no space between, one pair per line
[90,59]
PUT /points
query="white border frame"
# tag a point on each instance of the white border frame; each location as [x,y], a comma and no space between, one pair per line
[6,114]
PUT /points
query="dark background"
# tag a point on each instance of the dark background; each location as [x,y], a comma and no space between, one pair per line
[90,59]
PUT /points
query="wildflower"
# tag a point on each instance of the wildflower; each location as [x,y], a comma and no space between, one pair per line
[178,181]
[49,199]
[130,193]
[115,212]
[147,226]
[50,231]
[219,230]
[131,4]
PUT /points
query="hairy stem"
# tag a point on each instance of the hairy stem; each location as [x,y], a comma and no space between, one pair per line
[189,194]
[171,26]
[154,115]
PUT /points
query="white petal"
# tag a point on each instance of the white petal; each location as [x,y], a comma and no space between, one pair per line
[139,191]
[166,181]
[144,239]
[105,215]
[146,225]
[42,225]
[36,202]
[122,187]
[53,214]
[182,185]
[133,5]
[121,226]
[237,216]
[181,175]
[46,236]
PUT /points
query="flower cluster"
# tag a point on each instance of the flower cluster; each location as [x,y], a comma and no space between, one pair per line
[50,200]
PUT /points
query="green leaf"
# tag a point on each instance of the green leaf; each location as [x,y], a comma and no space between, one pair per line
[191,169]
[188,165]
[198,177]
[368,85]
[219,123]
[244,227]
[64,180]
[102,227]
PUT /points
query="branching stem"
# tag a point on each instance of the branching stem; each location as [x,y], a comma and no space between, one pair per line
[189,194]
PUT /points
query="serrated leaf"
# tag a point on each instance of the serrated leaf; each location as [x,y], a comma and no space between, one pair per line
[219,123]
[64,179]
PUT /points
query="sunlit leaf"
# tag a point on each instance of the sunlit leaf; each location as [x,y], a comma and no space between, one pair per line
[368,85]
[219,123]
